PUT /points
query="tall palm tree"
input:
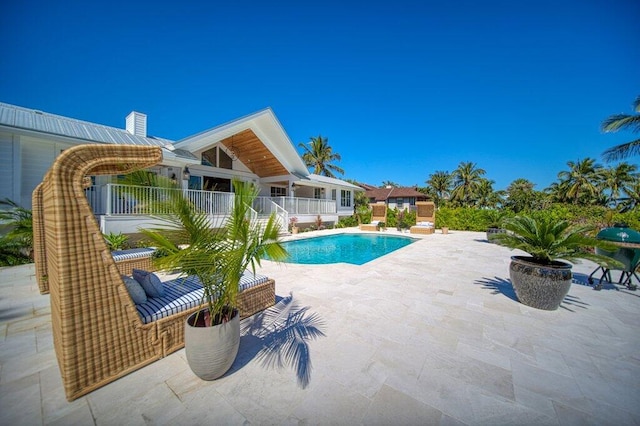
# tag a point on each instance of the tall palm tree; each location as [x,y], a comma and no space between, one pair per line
[439,186]
[486,196]
[627,122]
[521,195]
[632,199]
[320,157]
[467,179]
[617,179]
[581,180]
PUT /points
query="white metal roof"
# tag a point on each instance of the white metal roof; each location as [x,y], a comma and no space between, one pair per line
[30,119]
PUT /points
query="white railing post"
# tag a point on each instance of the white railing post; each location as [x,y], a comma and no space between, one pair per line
[108,209]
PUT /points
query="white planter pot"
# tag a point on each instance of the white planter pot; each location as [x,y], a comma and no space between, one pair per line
[211,350]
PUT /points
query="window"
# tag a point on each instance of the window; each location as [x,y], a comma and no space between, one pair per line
[345,198]
[216,157]
[399,202]
[195,182]
[278,191]
[333,194]
[225,162]
[317,193]
[210,157]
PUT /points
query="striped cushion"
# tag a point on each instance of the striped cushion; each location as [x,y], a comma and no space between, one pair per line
[181,294]
[135,253]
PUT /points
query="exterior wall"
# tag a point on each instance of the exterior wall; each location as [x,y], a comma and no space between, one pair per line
[10,155]
[37,157]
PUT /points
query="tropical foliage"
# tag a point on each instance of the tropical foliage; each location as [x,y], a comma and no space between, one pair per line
[16,245]
[117,241]
[319,157]
[623,122]
[217,256]
[547,240]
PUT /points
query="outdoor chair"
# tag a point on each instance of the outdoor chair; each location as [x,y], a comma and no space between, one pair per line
[98,332]
[378,214]
[425,218]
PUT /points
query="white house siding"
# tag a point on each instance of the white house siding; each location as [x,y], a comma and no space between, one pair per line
[8,157]
[37,158]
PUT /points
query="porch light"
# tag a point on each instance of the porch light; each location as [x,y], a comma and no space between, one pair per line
[186,174]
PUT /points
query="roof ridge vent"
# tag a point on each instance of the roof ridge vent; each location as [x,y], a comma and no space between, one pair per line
[136,124]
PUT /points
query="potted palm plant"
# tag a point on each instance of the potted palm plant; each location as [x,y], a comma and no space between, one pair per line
[541,280]
[494,220]
[218,257]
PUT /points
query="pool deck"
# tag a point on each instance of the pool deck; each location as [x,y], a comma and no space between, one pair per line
[429,334]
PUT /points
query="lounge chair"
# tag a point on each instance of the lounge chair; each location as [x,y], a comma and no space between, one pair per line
[98,333]
[379,214]
[425,218]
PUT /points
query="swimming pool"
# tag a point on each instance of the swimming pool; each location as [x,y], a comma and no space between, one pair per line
[356,249]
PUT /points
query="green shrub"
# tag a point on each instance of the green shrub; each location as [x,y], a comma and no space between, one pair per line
[347,222]
[116,241]
[474,219]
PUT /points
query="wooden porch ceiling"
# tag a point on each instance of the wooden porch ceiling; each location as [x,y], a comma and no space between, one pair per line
[254,154]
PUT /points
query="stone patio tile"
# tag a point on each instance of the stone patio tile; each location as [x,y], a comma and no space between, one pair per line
[330,402]
[404,337]
[20,401]
[486,355]
[20,366]
[391,407]
[554,386]
[18,345]
[55,406]
[79,416]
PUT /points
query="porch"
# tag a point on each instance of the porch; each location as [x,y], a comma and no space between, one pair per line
[125,209]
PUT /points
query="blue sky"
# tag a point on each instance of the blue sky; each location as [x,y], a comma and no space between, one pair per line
[401,89]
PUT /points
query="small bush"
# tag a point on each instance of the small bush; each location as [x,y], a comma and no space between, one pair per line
[116,241]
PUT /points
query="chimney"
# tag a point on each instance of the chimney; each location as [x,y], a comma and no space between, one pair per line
[137,124]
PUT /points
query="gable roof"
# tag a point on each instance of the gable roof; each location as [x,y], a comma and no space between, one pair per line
[259,141]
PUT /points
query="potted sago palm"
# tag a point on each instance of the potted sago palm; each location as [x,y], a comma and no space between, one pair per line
[543,278]
[218,257]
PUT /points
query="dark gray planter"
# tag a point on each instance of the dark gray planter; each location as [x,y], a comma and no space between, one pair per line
[494,231]
[211,350]
[540,286]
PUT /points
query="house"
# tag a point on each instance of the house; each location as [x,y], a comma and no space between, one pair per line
[402,198]
[253,148]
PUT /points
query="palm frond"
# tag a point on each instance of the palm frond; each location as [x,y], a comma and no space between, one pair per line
[622,151]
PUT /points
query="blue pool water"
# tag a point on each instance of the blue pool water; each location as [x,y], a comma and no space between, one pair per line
[356,249]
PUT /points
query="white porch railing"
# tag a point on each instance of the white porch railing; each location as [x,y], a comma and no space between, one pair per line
[116,199]
[295,205]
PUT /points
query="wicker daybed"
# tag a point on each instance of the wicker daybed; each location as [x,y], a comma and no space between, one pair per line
[98,333]
[425,218]
[378,214]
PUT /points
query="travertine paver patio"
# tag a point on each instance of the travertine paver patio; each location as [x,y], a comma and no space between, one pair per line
[430,334]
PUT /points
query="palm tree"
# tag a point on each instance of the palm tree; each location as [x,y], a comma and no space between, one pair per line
[389,183]
[632,199]
[521,195]
[581,182]
[467,179]
[617,179]
[486,197]
[439,186]
[217,256]
[627,122]
[320,157]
